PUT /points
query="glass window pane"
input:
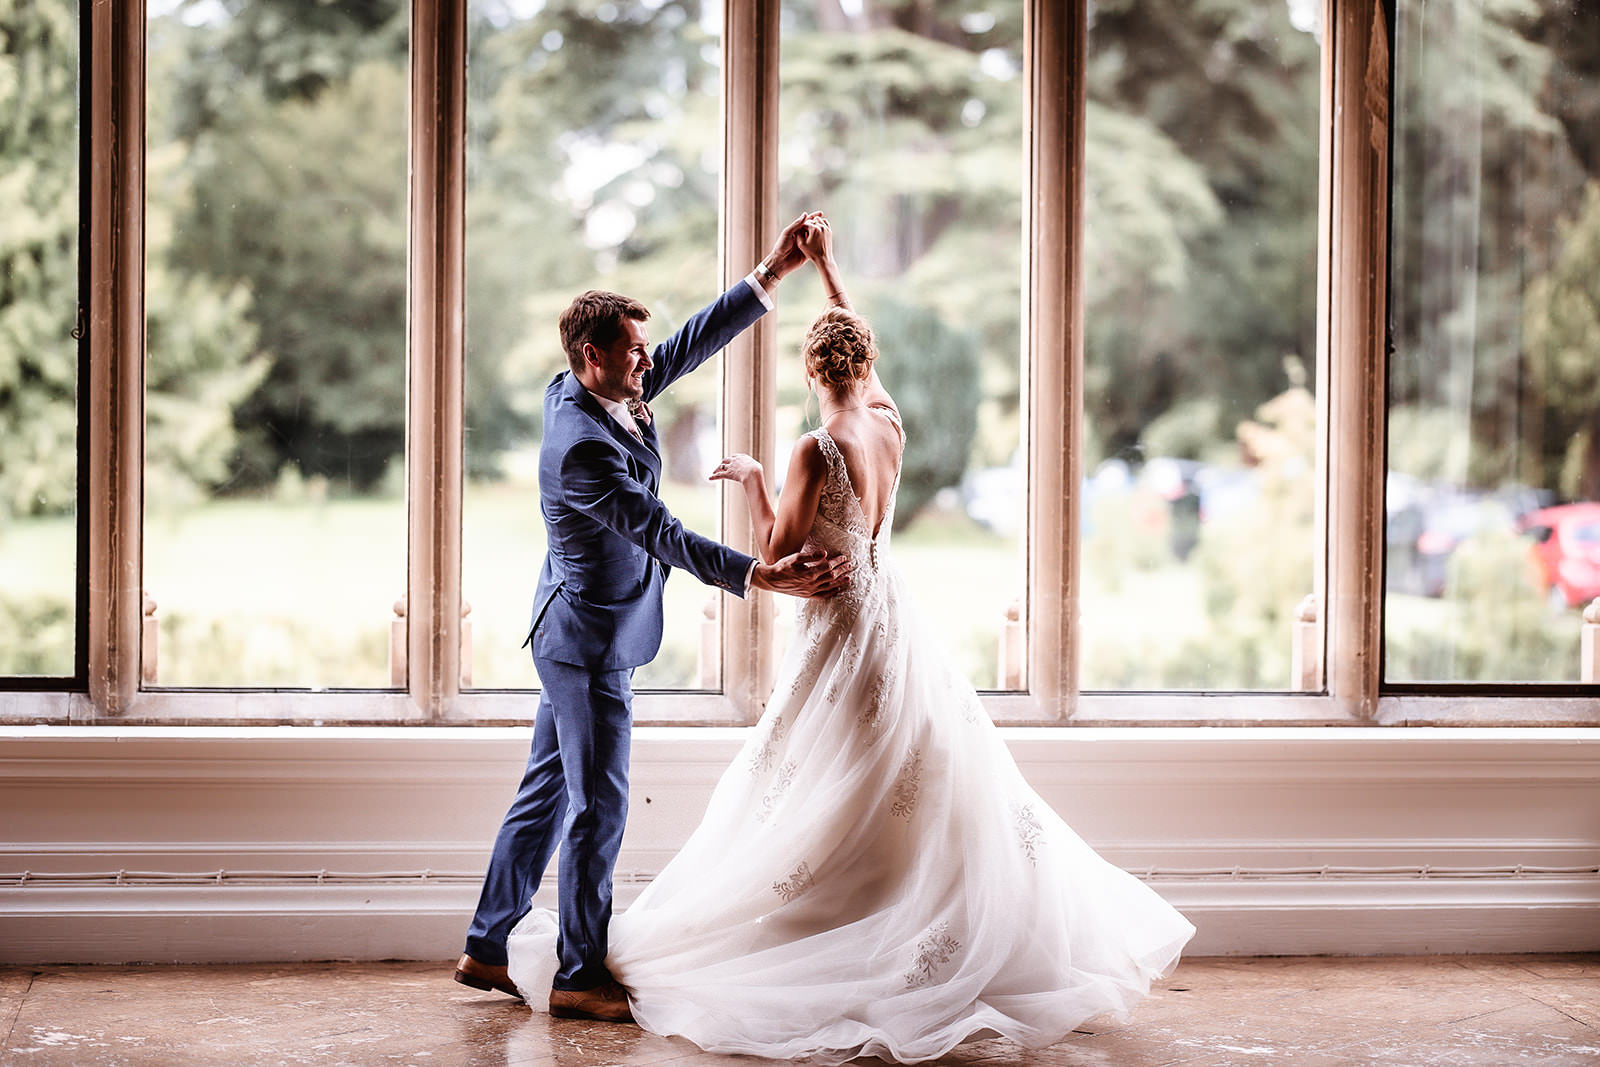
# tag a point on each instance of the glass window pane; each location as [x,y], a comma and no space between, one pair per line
[38,357]
[904,124]
[1493,502]
[275,521]
[1200,338]
[594,157]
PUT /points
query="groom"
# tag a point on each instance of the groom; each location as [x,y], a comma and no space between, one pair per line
[597,615]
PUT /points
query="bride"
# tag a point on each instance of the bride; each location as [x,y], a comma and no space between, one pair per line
[872,876]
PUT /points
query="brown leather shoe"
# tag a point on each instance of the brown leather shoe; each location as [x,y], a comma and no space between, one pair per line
[478,975]
[607,1003]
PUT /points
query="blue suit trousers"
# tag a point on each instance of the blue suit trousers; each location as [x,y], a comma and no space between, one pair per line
[574,793]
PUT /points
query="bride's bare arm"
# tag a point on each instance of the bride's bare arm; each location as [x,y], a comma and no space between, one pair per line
[782,532]
[816,241]
[802,493]
[749,474]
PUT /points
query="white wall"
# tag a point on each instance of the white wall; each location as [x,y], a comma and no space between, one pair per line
[401,819]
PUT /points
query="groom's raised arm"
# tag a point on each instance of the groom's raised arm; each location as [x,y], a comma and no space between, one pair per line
[707,332]
[710,329]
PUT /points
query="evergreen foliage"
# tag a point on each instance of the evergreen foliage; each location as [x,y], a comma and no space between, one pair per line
[932,372]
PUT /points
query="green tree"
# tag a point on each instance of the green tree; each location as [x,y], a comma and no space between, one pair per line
[38,256]
[904,122]
[1484,168]
[303,202]
[1561,325]
[1148,206]
[236,52]
[200,361]
[933,375]
[571,90]
[1201,206]
[291,121]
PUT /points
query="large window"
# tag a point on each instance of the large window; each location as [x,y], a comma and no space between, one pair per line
[275,291]
[1493,509]
[39,209]
[905,126]
[1200,290]
[1246,349]
[593,163]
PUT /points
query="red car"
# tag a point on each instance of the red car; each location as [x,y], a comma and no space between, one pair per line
[1566,551]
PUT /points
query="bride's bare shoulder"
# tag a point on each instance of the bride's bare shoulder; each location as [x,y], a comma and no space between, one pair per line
[806,459]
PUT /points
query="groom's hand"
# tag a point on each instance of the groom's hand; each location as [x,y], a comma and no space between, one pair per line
[786,255]
[804,574]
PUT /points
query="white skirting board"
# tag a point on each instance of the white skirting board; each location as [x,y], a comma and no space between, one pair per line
[253,923]
[1272,840]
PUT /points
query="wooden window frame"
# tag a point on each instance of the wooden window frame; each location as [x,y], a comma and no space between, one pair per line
[1352,311]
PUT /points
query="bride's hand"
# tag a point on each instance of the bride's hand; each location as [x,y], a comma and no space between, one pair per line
[816,240]
[736,468]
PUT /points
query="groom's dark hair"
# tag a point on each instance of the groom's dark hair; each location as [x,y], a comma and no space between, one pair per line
[596,318]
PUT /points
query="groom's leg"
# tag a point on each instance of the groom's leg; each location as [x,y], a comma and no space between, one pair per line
[594,728]
[522,848]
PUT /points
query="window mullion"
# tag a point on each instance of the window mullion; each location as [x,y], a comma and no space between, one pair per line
[749,375]
[435,334]
[115,432]
[1356,352]
[1055,51]
[1320,538]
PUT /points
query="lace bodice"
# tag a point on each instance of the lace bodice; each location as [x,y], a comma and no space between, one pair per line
[841,525]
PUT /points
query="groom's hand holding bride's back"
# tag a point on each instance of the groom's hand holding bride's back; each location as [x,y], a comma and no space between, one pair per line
[804,574]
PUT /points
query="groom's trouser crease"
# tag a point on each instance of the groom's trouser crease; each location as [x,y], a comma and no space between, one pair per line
[577,778]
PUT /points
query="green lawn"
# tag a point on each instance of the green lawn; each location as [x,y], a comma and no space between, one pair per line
[300,594]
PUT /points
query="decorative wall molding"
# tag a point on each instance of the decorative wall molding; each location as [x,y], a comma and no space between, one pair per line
[1273,840]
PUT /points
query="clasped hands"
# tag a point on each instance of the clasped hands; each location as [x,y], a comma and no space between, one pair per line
[807,237]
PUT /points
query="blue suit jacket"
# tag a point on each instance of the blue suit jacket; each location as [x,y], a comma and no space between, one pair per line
[611,542]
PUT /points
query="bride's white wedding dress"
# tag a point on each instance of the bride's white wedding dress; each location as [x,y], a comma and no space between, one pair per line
[873,875]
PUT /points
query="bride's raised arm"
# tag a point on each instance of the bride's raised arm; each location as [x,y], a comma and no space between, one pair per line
[816,241]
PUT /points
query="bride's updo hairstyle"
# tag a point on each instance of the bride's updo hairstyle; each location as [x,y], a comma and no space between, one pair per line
[839,348]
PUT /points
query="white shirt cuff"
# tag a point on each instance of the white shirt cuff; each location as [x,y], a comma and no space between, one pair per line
[749,576]
[760,290]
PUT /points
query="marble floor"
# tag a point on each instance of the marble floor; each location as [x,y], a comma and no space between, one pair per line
[1457,1010]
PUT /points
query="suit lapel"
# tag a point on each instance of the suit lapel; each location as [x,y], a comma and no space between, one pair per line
[645,452]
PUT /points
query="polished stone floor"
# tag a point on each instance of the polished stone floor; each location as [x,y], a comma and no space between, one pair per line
[1458,1010]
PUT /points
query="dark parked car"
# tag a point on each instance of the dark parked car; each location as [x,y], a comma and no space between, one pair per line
[1427,523]
[1566,551]
[1447,522]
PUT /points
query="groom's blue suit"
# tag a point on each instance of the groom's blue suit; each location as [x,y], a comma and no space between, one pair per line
[596,616]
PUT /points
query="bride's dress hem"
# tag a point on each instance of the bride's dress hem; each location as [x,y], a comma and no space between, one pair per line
[983,1024]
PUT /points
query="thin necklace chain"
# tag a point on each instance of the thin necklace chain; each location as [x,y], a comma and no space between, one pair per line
[826,415]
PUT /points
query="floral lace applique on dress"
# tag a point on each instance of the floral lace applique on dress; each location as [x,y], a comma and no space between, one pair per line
[780,786]
[933,951]
[797,883]
[761,759]
[1030,831]
[906,785]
